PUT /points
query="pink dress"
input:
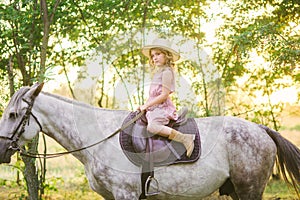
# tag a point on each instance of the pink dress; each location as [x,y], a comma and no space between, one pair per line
[163,112]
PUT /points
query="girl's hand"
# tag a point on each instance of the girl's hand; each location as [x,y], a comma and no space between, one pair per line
[142,108]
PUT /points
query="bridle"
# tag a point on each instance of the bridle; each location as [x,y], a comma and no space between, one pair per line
[21,126]
[25,120]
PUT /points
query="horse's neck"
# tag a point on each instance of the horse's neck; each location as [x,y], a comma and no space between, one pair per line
[75,125]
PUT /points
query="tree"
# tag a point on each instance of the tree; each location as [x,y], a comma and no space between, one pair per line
[253,32]
[24,47]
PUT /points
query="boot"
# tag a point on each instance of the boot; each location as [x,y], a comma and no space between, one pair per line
[186,139]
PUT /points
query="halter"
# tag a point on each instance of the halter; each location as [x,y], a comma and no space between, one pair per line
[21,126]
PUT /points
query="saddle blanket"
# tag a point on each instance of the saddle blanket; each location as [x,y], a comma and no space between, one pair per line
[135,138]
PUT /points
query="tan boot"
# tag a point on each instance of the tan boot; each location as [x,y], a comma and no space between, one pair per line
[186,139]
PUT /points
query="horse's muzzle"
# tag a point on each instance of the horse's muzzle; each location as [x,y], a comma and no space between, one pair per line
[6,151]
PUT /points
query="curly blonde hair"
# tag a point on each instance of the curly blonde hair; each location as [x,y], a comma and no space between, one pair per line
[169,57]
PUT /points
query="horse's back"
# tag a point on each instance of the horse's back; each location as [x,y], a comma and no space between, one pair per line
[249,150]
[235,133]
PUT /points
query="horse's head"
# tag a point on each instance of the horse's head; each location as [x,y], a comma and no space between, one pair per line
[16,127]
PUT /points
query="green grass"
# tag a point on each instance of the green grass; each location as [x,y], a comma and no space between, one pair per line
[78,188]
[65,180]
[278,189]
[293,128]
[296,128]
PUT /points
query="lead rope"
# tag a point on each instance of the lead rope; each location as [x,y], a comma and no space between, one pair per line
[23,152]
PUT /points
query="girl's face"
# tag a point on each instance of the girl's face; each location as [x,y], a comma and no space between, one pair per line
[158,57]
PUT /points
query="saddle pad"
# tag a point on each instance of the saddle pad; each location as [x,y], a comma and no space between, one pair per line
[190,127]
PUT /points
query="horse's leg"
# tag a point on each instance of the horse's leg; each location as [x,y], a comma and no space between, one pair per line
[249,183]
[251,158]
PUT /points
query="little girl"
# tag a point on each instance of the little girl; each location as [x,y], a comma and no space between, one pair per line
[159,107]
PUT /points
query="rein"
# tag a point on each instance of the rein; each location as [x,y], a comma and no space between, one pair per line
[54,155]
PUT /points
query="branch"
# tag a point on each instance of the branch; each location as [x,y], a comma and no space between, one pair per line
[145,13]
[54,10]
[47,22]
[85,22]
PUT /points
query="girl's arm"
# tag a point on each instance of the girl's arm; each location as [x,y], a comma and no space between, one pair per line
[167,79]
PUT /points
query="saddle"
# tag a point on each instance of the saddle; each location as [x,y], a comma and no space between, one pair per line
[135,139]
[144,149]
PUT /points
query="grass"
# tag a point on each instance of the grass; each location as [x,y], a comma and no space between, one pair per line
[65,179]
[79,189]
[278,189]
[294,128]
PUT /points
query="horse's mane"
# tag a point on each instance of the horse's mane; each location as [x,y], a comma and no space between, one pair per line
[16,101]
[70,101]
[79,103]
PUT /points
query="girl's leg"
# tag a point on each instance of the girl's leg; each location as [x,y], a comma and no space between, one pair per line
[156,128]
[186,139]
[157,119]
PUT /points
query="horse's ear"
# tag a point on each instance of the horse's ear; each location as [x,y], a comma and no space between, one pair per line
[38,89]
[34,91]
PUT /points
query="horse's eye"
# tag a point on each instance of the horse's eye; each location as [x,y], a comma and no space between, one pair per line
[13,115]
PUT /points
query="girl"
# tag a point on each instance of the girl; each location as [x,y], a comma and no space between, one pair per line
[159,107]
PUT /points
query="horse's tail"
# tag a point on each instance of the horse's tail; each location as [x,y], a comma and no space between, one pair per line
[288,158]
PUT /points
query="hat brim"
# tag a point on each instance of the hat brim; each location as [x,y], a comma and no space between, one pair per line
[146,51]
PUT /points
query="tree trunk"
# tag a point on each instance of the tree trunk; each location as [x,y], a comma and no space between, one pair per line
[11,76]
[30,172]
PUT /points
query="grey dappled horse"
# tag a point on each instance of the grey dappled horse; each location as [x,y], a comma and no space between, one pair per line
[237,155]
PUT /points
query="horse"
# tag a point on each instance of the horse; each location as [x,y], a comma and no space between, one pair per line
[237,155]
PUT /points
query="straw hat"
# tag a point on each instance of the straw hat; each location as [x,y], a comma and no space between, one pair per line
[163,44]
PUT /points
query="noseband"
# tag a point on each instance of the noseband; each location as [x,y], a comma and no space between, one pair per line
[20,129]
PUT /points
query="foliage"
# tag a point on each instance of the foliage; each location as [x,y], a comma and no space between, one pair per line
[25,28]
[263,31]
[80,27]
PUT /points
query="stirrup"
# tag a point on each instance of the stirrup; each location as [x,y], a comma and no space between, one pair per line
[149,179]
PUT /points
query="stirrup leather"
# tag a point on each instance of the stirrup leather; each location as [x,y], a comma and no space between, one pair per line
[148,181]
